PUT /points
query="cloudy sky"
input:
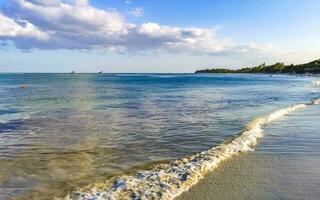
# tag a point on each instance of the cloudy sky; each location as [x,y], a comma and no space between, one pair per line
[155,36]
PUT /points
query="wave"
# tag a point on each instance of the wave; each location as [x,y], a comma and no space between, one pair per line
[316,82]
[7,118]
[169,180]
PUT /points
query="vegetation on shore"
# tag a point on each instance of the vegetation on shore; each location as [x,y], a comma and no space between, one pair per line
[311,67]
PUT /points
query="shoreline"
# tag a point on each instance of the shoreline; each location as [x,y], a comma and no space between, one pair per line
[169,181]
[277,68]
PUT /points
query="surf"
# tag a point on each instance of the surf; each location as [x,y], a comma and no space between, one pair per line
[169,180]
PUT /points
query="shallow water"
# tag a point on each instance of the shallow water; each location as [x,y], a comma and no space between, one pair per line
[64,132]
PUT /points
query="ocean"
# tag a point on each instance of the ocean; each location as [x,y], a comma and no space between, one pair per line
[159,136]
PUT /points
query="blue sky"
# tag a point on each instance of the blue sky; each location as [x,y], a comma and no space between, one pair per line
[155,36]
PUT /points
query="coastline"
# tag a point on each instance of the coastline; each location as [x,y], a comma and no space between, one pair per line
[169,181]
[214,120]
[283,165]
[277,68]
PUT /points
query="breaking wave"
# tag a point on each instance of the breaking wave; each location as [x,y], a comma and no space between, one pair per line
[316,82]
[169,180]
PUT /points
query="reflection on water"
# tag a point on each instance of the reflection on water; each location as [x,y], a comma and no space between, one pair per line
[84,129]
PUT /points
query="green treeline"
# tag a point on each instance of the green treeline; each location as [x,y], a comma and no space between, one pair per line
[311,67]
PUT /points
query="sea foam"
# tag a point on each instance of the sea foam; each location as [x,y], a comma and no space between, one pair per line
[169,180]
[316,82]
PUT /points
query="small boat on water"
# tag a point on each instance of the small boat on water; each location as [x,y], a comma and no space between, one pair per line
[100,72]
[73,72]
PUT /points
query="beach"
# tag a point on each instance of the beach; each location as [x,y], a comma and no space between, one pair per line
[284,165]
[158,136]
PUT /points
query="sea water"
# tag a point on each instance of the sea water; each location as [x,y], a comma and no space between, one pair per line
[148,136]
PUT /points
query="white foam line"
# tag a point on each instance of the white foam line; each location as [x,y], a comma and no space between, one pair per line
[12,117]
[167,181]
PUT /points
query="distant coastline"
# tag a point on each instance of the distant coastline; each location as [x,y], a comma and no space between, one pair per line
[277,68]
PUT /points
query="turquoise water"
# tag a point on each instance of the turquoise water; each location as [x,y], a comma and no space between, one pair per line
[61,133]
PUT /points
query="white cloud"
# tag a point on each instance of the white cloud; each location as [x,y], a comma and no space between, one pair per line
[46,2]
[55,24]
[20,29]
[137,12]
[77,18]
[182,39]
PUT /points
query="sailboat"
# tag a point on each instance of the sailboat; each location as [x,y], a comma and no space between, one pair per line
[100,72]
[73,72]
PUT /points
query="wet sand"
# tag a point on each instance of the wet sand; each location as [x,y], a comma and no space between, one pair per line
[261,176]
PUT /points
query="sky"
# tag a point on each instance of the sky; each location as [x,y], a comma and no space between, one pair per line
[164,36]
